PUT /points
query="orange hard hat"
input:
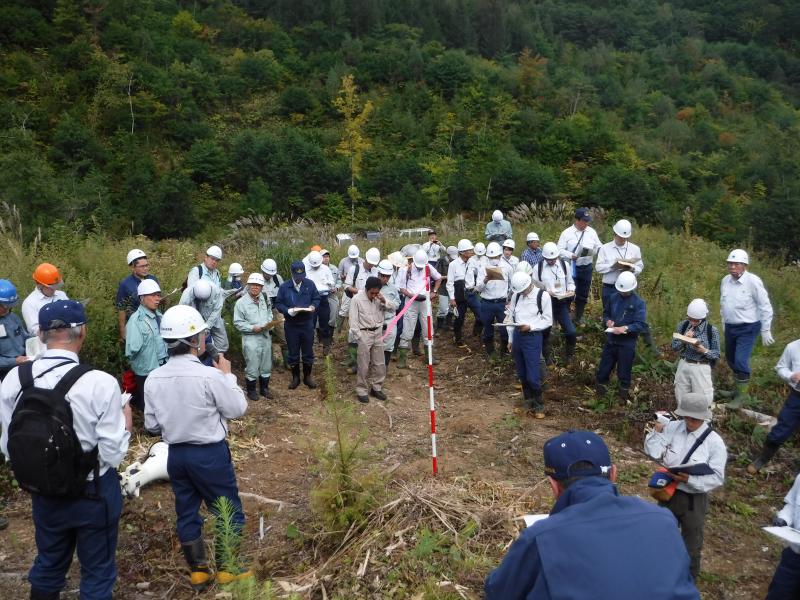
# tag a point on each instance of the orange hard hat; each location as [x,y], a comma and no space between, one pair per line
[316,247]
[46,274]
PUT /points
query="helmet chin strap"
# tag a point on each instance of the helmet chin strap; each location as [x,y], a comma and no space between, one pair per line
[186,342]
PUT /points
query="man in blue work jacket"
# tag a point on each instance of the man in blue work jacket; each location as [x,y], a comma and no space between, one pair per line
[595,543]
[625,317]
[298,300]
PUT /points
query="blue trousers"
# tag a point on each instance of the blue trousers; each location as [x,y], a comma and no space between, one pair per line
[608,291]
[561,316]
[740,339]
[201,473]
[583,282]
[526,350]
[88,525]
[474,303]
[785,583]
[322,318]
[299,340]
[493,312]
[619,355]
[788,420]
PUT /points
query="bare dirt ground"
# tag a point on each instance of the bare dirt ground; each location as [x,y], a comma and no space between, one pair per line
[486,446]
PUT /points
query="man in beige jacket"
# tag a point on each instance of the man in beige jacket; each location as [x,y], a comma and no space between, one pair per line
[367,309]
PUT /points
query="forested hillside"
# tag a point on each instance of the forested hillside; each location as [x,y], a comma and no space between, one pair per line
[169,118]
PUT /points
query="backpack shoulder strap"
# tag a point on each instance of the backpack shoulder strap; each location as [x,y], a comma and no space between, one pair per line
[563,265]
[26,374]
[355,274]
[539,300]
[684,326]
[540,266]
[71,377]
[199,271]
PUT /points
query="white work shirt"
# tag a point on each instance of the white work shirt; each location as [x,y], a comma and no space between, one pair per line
[791,510]
[584,243]
[412,279]
[33,304]
[189,402]
[271,286]
[209,275]
[610,253]
[789,364]
[360,279]
[745,300]
[96,404]
[433,250]
[322,278]
[456,271]
[671,446]
[392,295]
[474,264]
[348,263]
[494,289]
[525,310]
[512,261]
[554,278]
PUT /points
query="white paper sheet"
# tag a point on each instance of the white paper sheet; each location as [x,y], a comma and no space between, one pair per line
[787,534]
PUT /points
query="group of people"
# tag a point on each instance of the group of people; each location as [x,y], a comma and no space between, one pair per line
[181,380]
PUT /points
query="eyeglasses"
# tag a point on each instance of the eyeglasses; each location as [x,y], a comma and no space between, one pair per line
[140,265]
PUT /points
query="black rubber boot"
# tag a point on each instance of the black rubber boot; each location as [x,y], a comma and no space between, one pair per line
[503,348]
[489,346]
[295,376]
[264,381]
[195,554]
[39,595]
[538,404]
[579,308]
[448,321]
[623,394]
[252,395]
[527,396]
[307,378]
[767,452]
[458,338]
[387,357]
[440,324]
[477,328]
[569,350]
[326,345]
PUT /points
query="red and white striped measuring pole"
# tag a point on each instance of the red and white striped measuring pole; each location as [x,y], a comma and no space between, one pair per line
[429,343]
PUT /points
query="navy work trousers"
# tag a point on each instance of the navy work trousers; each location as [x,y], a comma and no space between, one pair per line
[785,583]
[608,291]
[561,316]
[88,525]
[322,318]
[583,282]
[788,420]
[493,312]
[619,355]
[526,349]
[201,473]
[740,339]
[299,340]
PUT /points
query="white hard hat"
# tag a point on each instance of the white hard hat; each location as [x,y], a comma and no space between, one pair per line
[452,251]
[181,322]
[353,251]
[493,250]
[626,282]
[385,267]
[532,237]
[134,254]
[235,269]
[739,256]
[497,216]
[697,309]
[524,266]
[623,228]
[373,256]
[202,289]
[269,266]
[214,252]
[464,245]
[256,278]
[420,258]
[520,282]
[397,259]
[315,258]
[148,286]
[409,250]
[480,248]
[550,250]
[509,243]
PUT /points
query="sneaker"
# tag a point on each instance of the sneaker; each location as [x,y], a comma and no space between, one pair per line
[378,394]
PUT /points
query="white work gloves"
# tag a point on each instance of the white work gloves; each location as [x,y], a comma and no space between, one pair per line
[766,338]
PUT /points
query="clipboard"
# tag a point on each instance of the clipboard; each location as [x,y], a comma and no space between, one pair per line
[695,469]
[494,274]
[685,339]
[562,295]
[625,265]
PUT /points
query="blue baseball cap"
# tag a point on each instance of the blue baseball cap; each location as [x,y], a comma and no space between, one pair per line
[574,446]
[583,214]
[62,314]
[660,479]
[298,268]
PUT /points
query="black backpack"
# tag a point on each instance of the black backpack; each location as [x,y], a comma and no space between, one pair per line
[46,454]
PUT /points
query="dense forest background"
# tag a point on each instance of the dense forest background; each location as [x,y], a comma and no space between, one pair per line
[173,118]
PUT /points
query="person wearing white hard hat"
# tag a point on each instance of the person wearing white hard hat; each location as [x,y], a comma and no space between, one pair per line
[386,273]
[354,281]
[498,229]
[476,261]
[698,357]
[746,311]
[208,300]
[579,244]
[788,369]
[252,317]
[144,347]
[492,283]
[321,275]
[413,283]
[127,292]
[433,248]
[625,317]
[785,582]
[456,287]
[532,254]
[234,279]
[208,271]
[444,314]
[556,278]
[690,441]
[508,253]
[531,312]
[273,281]
[618,256]
[333,297]
[190,405]
[346,266]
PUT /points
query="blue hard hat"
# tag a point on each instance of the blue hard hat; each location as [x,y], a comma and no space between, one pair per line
[8,293]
